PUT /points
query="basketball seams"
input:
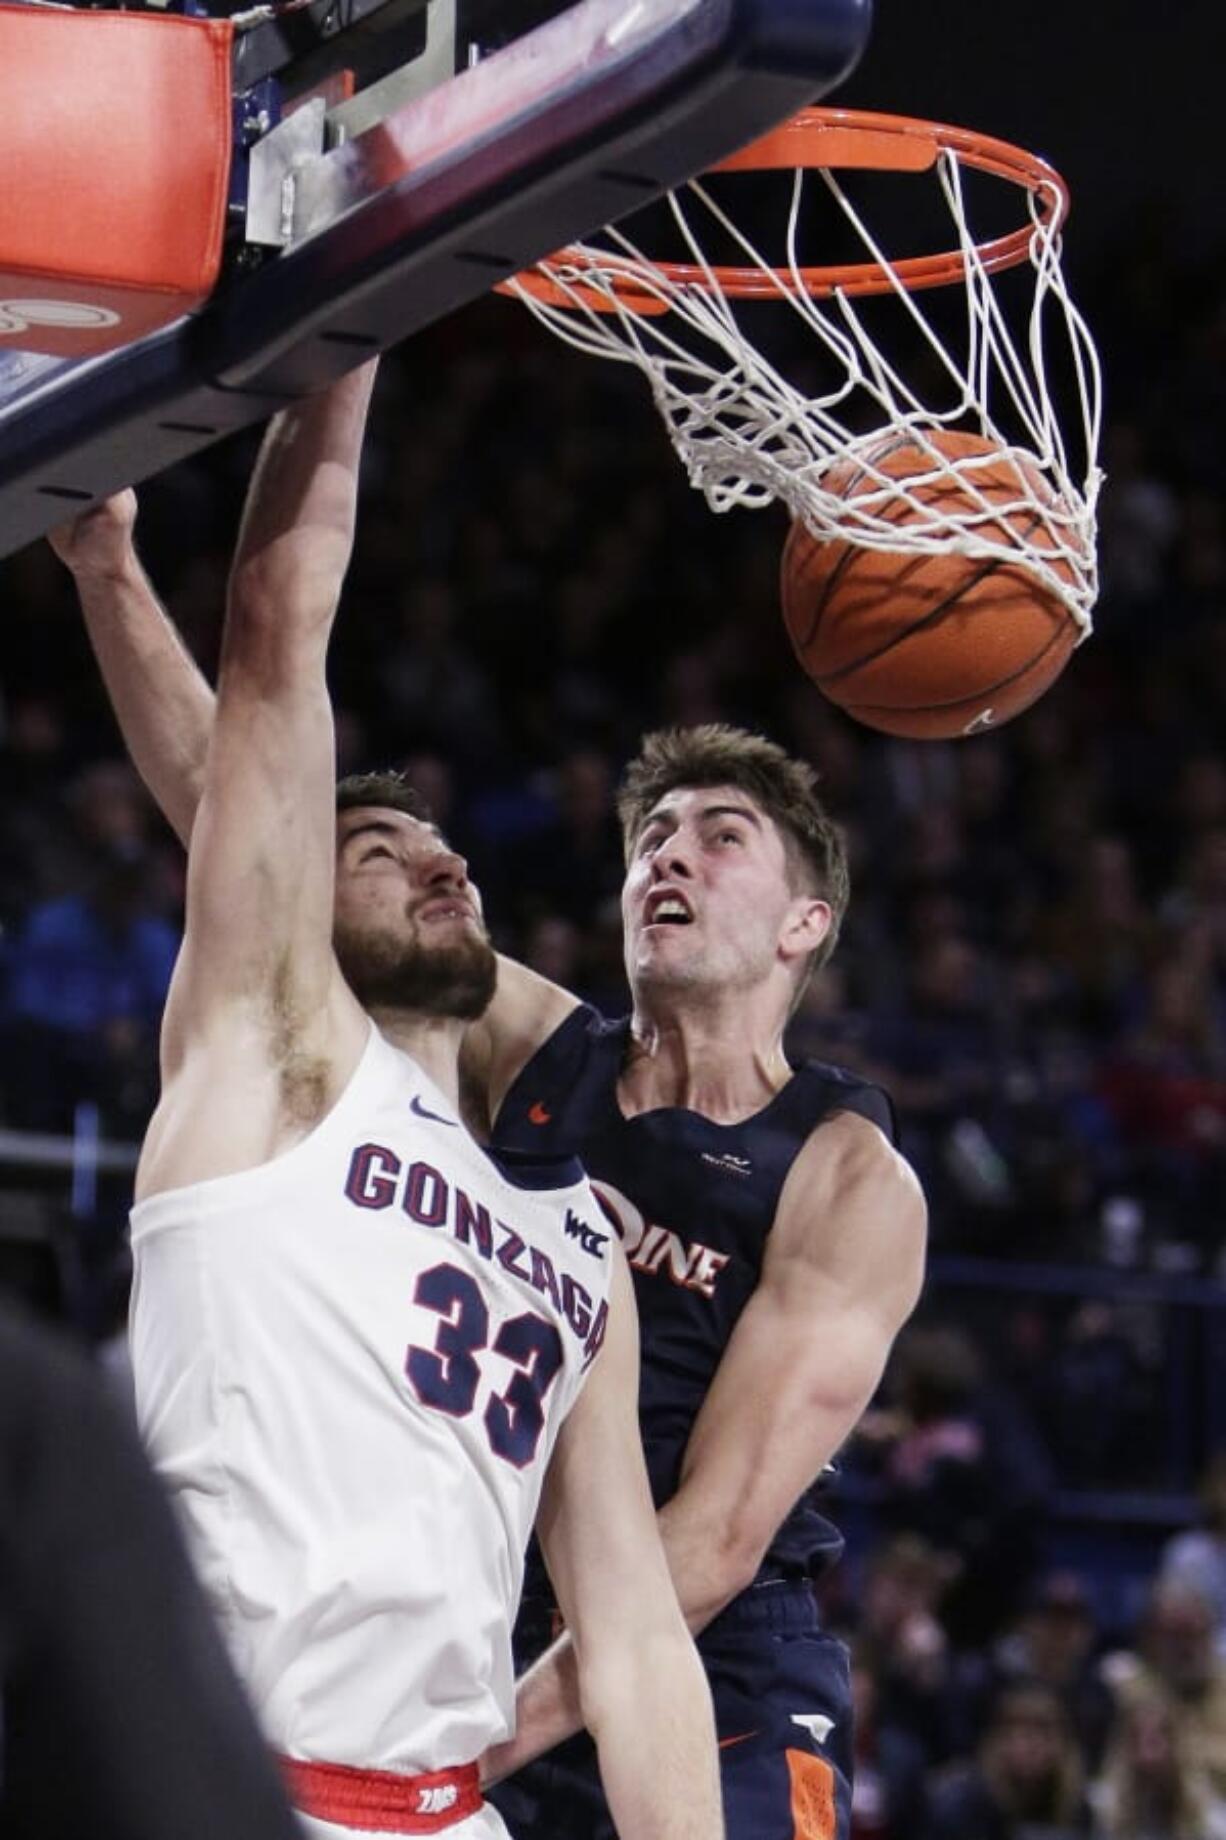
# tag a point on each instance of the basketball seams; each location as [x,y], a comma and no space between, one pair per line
[931,620]
[834,576]
[974,696]
[973,580]
[925,619]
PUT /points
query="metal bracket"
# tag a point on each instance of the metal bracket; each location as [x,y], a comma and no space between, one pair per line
[274,165]
[434,64]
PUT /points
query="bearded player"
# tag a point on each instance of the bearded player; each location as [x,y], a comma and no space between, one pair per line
[366,1349]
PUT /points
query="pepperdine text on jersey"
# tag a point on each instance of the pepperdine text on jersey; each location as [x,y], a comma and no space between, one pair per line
[657,1250]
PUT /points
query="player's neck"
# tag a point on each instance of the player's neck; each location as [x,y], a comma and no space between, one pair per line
[432,1041]
[714,1062]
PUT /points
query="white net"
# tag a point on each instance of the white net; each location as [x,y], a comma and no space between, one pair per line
[1024,492]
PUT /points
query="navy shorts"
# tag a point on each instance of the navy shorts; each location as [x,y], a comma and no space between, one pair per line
[783,1715]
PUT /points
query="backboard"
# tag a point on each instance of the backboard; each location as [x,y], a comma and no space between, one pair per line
[470,139]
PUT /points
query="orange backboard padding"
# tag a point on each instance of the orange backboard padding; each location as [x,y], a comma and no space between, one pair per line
[115,140]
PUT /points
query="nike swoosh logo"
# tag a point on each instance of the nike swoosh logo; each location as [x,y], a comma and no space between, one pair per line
[415,1105]
[538,1114]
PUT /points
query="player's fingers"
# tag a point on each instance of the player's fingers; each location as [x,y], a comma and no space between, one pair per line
[95,530]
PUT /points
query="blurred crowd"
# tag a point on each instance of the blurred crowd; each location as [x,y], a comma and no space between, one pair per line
[1034,962]
[1056,1727]
[998,1698]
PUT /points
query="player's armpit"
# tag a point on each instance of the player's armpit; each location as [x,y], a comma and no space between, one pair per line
[841,1274]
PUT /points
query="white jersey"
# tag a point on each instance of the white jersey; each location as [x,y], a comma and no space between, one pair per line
[351,1366]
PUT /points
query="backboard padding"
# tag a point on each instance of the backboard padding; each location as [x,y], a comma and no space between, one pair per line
[418,243]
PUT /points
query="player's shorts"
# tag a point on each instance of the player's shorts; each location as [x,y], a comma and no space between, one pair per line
[782,1697]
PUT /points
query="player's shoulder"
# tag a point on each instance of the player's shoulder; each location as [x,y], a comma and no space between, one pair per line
[822,1091]
[566,1080]
[586,1028]
[850,1176]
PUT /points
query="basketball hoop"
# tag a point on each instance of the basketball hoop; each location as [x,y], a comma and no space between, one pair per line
[748,436]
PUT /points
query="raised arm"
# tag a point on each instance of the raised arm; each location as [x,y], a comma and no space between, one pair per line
[842,1272]
[165,711]
[631,1667]
[260,1030]
[161,701]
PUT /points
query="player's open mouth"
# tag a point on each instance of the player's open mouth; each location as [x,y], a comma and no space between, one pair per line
[668,910]
[445,910]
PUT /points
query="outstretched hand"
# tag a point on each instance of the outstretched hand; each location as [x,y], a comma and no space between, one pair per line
[97,542]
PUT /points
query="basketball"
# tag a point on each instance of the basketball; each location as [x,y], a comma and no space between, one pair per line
[930,646]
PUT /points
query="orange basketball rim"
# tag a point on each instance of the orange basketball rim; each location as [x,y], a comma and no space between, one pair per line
[834,140]
[1015,367]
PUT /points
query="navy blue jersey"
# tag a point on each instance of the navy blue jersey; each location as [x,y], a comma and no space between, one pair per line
[694,1202]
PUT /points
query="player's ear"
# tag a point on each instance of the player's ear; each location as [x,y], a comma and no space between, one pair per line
[807,923]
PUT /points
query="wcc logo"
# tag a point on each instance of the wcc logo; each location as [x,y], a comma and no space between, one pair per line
[592,1242]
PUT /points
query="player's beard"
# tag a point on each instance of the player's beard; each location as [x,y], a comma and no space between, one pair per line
[386,971]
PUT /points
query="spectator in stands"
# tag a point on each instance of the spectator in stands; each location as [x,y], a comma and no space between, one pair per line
[1150,1788]
[941,1050]
[888,1788]
[1055,1642]
[963,1468]
[88,976]
[35,845]
[434,688]
[574,866]
[1174,1661]
[1098,1404]
[1197,1558]
[1167,1088]
[553,947]
[1026,1779]
[1100,937]
[1140,521]
[900,1644]
[1198,898]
